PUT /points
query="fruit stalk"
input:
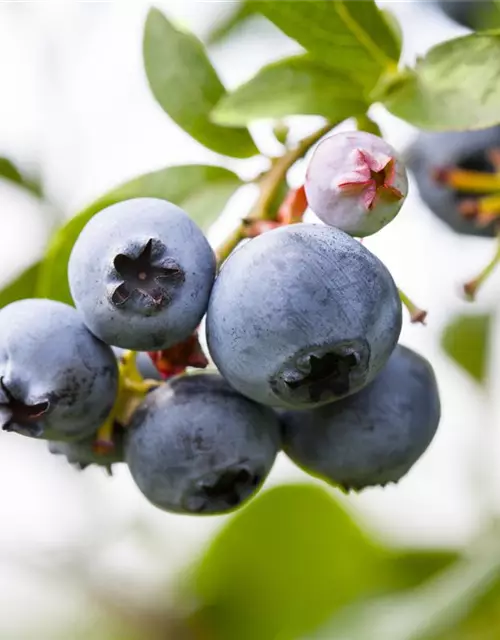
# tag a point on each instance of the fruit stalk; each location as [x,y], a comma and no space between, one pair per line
[269,186]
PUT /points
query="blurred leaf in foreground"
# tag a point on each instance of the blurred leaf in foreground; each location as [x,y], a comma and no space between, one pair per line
[467,341]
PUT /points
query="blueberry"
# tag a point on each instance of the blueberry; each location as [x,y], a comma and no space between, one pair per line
[82,453]
[356,182]
[197,446]
[373,437]
[141,274]
[57,380]
[301,316]
[433,153]
[471,13]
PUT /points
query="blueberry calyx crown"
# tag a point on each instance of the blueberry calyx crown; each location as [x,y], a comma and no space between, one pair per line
[23,417]
[228,489]
[324,375]
[373,176]
[152,274]
[327,373]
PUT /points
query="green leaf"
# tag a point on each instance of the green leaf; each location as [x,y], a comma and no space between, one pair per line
[187,87]
[352,37]
[467,341]
[410,567]
[283,565]
[426,611]
[201,190]
[228,25]
[294,86]
[22,286]
[10,173]
[454,87]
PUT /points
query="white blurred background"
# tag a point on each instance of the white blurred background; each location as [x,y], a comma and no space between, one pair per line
[74,99]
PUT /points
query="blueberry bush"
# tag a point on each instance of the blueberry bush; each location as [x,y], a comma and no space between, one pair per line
[102,349]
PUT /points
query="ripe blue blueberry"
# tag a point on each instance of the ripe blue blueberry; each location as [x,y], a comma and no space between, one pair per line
[57,381]
[356,182]
[373,437]
[197,446]
[82,454]
[141,274]
[471,13]
[433,155]
[301,316]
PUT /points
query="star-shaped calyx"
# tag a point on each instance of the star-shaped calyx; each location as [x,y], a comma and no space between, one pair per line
[328,375]
[229,490]
[372,176]
[151,274]
[20,416]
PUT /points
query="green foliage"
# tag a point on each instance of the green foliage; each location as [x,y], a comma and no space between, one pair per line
[409,568]
[201,190]
[235,19]
[187,87]
[431,611]
[351,37]
[454,87]
[22,286]
[10,173]
[467,341]
[297,85]
[283,565]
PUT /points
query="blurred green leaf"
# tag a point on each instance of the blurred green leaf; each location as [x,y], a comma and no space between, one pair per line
[410,567]
[467,341]
[365,123]
[352,37]
[10,173]
[423,613]
[454,87]
[283,565]
[482,623]
[236,18]
[187,87]
[202,190]
[294,86]
[22,286]
[394,26]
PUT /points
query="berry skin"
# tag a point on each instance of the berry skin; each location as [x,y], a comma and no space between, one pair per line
[301,316]
[197,446]
[57,381]
[432,153]
[471,13]
[356,182]
[373,437]
[82,454]
[141,274]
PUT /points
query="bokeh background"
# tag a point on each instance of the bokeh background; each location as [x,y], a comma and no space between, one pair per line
[80,550]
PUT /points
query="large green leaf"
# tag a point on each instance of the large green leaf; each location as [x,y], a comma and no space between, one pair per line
[297,85]
[467,341]
[10,173]
[240,12]
[187,87]
[353,37]
[282,565]
[454,87]
[22,286]
[438,606]
[201,190]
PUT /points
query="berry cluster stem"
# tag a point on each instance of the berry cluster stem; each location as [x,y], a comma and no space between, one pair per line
[269,185]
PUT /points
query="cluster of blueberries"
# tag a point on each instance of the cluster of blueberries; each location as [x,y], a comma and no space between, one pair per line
[302,325]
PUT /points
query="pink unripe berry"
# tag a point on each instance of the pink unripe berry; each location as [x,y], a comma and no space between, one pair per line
[356,182]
